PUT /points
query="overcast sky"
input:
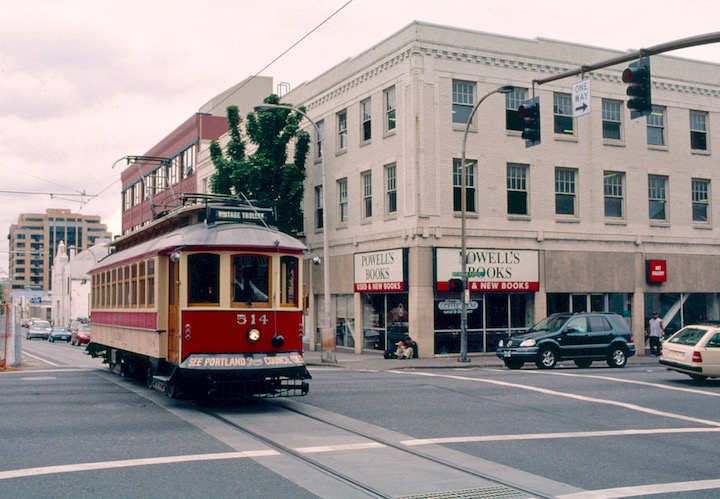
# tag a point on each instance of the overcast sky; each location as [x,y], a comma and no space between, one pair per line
[84,83]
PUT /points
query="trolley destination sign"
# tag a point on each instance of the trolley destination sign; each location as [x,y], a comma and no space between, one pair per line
[242,361]
[240,214]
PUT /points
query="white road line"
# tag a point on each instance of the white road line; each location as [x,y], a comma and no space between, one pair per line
[644,490]
[340,447]
[630,381]
[545,436]
[632,407]
[41,359]
[70,468]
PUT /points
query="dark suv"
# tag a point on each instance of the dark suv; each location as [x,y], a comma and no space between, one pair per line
[580,337]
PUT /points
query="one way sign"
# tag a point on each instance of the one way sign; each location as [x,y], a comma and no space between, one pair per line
[581,98]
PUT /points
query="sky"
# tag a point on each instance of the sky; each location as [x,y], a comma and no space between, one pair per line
[84,83]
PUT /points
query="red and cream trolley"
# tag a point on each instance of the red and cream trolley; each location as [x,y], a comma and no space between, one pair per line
[206,299]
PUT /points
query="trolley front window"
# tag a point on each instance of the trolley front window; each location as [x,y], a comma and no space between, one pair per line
[289,281]
[251,280]
[203,279]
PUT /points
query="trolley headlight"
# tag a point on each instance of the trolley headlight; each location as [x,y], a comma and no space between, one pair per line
[253,334]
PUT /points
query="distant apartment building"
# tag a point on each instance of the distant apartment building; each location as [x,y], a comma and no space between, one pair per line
[152,184]
[35,238]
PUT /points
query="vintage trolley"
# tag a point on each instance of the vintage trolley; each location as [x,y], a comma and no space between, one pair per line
[205,300]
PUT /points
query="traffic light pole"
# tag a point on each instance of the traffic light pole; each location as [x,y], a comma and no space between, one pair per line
[683,43]
[505,89]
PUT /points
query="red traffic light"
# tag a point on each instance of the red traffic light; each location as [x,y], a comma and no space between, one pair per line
[638,78]
[455,285]
[530,113]
[634,75]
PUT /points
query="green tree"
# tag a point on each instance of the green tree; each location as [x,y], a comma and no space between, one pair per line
[265,176]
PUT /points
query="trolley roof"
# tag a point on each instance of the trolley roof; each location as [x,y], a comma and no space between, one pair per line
[212,225]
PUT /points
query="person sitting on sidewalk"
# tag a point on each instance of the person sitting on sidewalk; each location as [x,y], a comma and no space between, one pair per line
[403,352]
[405,348]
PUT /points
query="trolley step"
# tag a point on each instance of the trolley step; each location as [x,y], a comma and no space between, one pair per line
[160,383]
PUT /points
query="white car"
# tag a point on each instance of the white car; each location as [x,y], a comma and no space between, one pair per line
[694,350]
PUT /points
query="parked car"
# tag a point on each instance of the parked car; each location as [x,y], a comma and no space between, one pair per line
[694,350]
[60,334]
[38,329]
[583,338]
[81,336]
[26,323]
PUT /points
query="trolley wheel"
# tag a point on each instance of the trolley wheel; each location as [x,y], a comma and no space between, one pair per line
[149,373]
[171,389]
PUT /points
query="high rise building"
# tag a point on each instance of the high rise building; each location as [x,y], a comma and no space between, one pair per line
[35,238]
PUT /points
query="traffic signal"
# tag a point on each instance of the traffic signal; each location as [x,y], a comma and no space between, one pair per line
[530,113]
[638,77]
[455,285]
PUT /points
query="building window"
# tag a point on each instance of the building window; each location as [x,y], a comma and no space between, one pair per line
[513,100]
[517,192]
[367,194]
[562,108]
[463,100]
[136,188]
[565,191]
[174,170]
[366,117]
[342,129]
[613,191]
[343,200]
[657,197]
[700,200]
[390,121]
[319,207]
[188,162]
[656,126]
[612,119]
[698,130]
[391,193]
[319,136]
[127,199]
[469,185]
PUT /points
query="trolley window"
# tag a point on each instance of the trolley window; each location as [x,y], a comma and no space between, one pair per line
[289,281]
[151,283]
[251,280]
[203,279]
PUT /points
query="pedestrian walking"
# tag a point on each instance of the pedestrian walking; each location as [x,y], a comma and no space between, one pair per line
[656,330]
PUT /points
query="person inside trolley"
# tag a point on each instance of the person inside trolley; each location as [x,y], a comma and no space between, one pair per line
[244,290]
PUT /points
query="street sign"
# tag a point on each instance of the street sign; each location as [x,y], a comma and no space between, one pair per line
[581,98]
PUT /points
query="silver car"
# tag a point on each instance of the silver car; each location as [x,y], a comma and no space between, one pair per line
[38,329]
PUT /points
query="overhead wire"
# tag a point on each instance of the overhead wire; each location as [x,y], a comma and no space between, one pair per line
[282,54]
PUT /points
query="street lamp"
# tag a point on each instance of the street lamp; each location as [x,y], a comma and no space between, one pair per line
[505,89]
[326,256]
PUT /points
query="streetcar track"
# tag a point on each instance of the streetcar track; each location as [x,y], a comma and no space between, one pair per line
[500,488]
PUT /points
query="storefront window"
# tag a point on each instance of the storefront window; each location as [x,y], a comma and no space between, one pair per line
[491,317]
[345,322]
[385,320]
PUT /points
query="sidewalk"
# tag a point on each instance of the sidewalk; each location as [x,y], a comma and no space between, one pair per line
[374,361]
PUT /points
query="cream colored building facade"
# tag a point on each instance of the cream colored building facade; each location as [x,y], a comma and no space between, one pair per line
[606,213]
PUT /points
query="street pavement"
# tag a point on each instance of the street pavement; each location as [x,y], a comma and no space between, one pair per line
[374,360]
